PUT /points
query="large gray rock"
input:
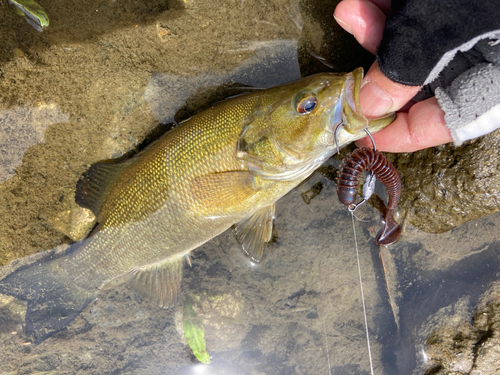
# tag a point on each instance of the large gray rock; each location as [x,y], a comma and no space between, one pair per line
[465,343]
[446,186]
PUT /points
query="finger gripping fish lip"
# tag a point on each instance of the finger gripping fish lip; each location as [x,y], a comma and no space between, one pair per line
[374,161]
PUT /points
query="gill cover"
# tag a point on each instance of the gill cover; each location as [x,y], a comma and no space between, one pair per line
[281,139]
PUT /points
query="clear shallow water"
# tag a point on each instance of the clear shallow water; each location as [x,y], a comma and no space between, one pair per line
[105,75]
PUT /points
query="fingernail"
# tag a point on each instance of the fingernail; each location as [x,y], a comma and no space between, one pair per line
[374,101]
[344,25]
[363,142]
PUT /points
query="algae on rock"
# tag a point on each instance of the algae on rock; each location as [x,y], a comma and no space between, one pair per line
[446,186]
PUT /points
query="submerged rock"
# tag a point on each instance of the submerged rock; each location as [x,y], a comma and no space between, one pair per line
[459,345]
[446,186]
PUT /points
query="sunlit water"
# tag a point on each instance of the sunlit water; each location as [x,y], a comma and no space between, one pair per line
[93,86]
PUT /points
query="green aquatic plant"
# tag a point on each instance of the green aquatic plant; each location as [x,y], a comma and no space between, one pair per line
[194,332]
[33,13]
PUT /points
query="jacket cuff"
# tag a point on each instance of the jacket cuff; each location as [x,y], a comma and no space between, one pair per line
[472,102]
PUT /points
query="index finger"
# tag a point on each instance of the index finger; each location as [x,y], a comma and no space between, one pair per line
[423,126]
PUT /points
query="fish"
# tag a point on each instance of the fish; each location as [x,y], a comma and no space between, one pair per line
[225,166]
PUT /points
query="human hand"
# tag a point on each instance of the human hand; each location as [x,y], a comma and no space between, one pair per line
[417,125]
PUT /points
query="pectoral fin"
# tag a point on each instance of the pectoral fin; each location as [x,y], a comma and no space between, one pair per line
[253,232]
[225,189]
[159,282]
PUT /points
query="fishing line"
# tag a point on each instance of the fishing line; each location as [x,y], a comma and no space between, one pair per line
[351,210]
[321,287]
[362,294]
[327,350]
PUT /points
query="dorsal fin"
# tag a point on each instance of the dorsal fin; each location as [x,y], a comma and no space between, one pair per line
[92,188]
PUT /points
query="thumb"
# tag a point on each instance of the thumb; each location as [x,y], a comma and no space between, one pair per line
[380,95]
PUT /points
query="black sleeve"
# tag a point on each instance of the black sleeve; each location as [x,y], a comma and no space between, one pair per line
[422,36]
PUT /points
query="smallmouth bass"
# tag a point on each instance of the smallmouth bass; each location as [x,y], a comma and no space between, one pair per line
[226,165]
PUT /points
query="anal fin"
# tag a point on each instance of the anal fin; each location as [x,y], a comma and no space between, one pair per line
[159,282]
[253,232]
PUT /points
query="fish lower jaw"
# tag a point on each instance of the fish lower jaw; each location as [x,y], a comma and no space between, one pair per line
[295,174]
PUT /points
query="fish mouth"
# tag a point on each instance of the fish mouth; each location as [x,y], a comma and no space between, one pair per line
[347,110]
[348,123]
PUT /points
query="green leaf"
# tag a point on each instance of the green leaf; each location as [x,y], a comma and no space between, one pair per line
[34,13]
[194,332]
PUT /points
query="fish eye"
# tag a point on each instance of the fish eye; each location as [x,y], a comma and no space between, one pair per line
[306,103]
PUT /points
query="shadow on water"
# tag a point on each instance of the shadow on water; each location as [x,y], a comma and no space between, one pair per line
[385,324]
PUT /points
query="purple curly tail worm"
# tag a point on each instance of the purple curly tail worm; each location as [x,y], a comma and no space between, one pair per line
[347,185]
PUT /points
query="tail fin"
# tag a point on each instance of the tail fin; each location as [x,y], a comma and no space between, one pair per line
[53,299]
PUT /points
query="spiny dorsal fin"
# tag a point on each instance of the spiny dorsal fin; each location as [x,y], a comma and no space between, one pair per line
[92,188]
[253,232]
[159,282]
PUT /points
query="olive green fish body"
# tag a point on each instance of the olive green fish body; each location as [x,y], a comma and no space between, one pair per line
[186,189]
[226,165]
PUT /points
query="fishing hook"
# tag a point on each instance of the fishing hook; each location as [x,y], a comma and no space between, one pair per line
[369,185]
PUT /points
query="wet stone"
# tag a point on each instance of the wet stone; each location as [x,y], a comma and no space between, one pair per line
[445,186]
[461,345]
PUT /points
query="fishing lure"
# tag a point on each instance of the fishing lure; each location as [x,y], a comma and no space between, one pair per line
[379,167]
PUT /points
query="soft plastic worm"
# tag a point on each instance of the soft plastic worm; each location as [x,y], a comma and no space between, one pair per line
[368,159]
